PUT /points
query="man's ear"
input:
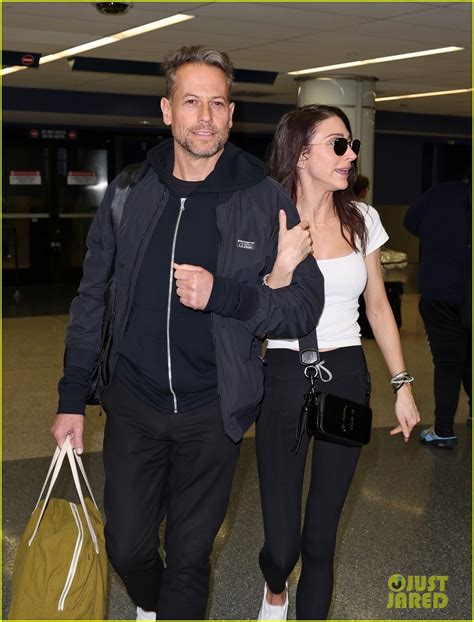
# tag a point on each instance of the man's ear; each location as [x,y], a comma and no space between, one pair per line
[231,110]
[165,106]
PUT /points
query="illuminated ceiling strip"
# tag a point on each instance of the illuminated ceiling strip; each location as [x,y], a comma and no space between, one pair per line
[414,95]
[7,70]
[119,36]
[373,61]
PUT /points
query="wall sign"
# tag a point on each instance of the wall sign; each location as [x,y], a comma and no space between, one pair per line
[81,178]
[52,134]
[25,178]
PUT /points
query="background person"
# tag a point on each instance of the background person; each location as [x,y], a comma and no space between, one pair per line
[441,217]
[313,156]
[361,187]
[197,235]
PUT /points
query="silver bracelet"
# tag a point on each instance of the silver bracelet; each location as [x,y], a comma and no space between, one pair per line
[265,280]
[400,379]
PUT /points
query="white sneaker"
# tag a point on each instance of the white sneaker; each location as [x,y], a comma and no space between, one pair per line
[145,615]
[273,612]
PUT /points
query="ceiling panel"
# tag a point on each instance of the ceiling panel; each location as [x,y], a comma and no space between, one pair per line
[421,35]
[15,38]
[82,12]
[263,36]
[283,14]
[461,6]
[456,20]
[370,10]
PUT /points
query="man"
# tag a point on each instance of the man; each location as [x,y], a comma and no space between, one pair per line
[197,236]
[441,218]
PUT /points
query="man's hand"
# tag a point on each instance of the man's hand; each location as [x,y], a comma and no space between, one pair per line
[69,425]
[193,285]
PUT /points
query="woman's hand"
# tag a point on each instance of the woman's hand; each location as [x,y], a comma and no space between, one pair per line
[406,412]
[294,245]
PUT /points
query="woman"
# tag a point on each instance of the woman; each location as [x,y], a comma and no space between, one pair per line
[313,156]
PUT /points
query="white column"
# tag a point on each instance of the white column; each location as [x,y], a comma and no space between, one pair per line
[355,95]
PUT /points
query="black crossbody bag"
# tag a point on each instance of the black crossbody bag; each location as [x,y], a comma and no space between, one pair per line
[325,416]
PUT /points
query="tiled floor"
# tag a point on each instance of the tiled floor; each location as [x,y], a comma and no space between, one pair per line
[408,511]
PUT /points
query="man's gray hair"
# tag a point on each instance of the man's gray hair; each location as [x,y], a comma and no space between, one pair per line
[195,54]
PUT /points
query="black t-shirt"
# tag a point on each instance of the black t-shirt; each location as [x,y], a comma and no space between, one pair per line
[167,354]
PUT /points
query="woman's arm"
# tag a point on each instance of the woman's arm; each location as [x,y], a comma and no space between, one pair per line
[384,327]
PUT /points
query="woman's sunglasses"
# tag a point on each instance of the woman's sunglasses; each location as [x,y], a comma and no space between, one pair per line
[340,145]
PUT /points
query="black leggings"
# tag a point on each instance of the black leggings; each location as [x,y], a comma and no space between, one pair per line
[281,475]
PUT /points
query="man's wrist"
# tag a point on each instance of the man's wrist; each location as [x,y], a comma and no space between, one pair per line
[225,296]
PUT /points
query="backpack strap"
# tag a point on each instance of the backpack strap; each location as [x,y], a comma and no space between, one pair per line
[128,178]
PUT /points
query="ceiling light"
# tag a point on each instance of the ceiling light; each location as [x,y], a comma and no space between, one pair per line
[373,61]
[414,95]
[8,70]
[119,36]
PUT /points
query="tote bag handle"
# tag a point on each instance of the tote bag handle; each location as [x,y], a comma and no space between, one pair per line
[54,468]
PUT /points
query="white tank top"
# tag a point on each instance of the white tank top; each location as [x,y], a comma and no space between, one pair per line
[345,279]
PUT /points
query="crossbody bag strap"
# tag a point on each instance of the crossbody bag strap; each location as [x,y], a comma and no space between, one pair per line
[310,358]
[309,343]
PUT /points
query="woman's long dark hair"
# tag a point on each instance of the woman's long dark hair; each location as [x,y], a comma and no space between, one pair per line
[293,134]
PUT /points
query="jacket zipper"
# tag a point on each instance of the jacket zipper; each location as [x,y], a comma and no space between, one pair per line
[75,558]
[168,315]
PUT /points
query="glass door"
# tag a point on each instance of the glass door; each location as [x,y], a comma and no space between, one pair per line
[51,192]
[26,213]
[80,181]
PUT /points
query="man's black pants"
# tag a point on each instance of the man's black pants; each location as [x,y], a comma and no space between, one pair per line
[450,344]
[155,464]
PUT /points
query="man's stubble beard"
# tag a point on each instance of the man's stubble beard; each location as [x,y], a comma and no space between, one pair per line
[187,143]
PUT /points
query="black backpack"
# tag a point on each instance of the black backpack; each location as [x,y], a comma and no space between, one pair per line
[100,376]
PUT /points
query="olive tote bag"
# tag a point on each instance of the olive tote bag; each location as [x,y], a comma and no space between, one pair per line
[60,570]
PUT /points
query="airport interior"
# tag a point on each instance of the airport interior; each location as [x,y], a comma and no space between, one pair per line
[79,105]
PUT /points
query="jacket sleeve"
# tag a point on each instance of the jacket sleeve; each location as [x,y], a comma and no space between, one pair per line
[290,311]
[83,333]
